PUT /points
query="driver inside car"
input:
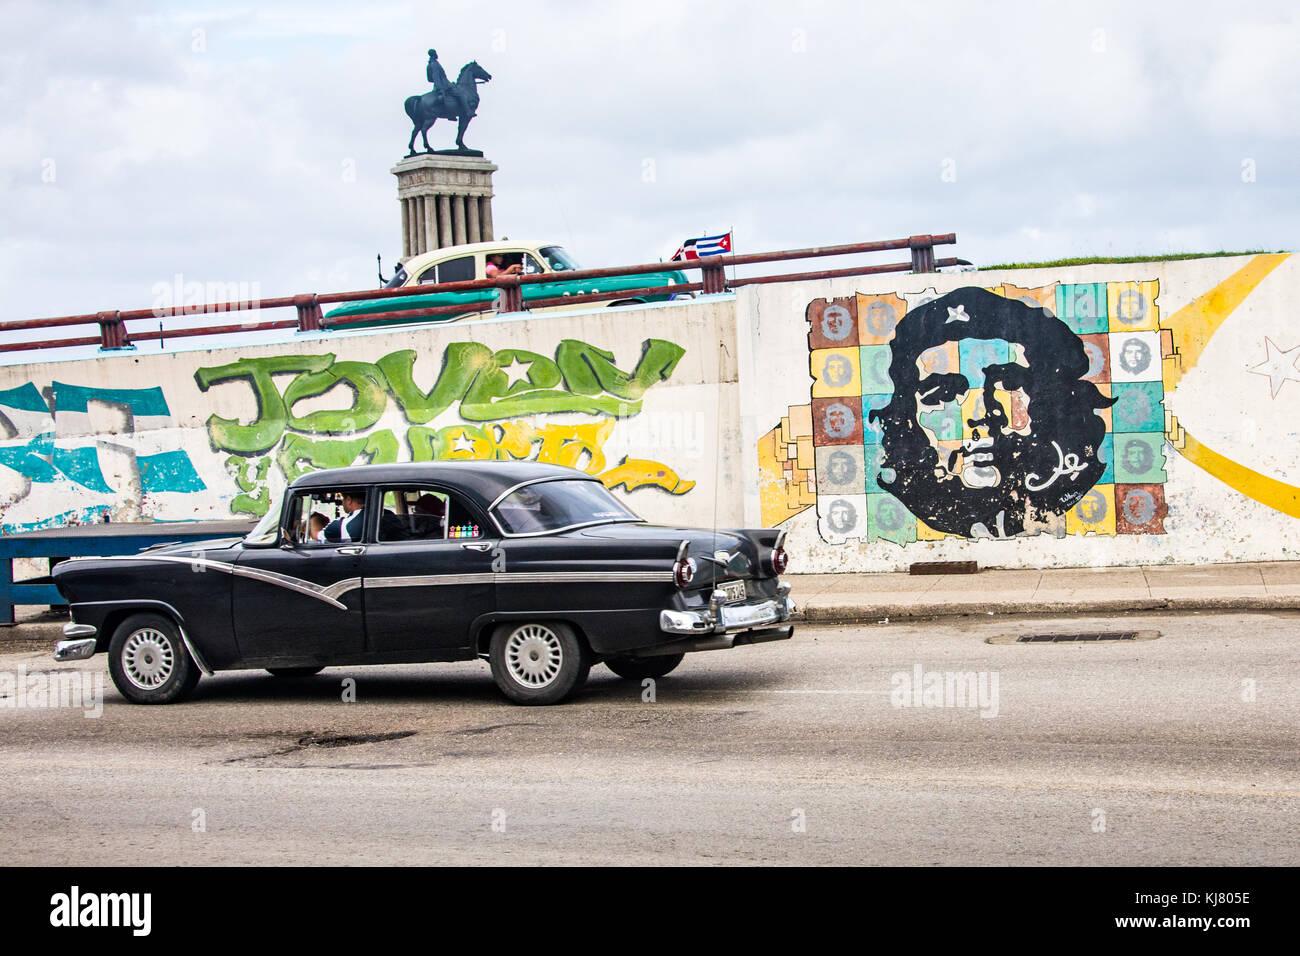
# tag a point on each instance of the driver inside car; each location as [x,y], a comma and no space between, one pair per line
[500,264]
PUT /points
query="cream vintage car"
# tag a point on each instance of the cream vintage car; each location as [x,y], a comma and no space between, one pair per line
[468,262]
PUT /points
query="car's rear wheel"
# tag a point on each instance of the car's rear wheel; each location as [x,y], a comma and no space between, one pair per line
[538,662]
[620,303]
[639,668]
[294,671]
[148,661]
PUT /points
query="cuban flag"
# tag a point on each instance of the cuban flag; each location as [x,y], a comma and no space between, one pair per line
[703,246]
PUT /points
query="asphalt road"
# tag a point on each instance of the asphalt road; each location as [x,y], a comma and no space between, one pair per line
[1136,753]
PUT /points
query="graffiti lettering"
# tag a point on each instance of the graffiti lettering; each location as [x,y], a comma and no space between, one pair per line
[57,465]
[487,391]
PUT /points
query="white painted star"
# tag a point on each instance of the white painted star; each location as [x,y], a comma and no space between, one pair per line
[516,372]
[462,442]
[1279,366]
[958,314]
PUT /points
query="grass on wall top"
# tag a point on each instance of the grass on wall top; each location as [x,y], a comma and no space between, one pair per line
[1106,260]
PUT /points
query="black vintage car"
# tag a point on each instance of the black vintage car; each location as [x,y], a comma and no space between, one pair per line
[537,568]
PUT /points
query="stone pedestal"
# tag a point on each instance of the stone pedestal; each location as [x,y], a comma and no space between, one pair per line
[446,201]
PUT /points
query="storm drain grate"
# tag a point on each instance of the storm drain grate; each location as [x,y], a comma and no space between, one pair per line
[1071,638]
[1083,637]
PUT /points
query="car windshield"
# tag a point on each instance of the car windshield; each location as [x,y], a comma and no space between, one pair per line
[558,258]
[267,530]
[555,505]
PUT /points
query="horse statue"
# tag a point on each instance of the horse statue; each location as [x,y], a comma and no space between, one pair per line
[458,103]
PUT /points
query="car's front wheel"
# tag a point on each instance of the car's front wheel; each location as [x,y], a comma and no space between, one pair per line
[538,663]
[639,668]
[148,661]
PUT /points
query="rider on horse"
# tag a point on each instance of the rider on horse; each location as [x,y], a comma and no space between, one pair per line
[443,86]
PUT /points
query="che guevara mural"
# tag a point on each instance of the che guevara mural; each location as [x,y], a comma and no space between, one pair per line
[1002,412]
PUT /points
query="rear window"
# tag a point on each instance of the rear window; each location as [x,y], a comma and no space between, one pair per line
[555,505]
[456,270]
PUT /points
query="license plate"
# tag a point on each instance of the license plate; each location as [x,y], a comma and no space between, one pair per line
[734,590]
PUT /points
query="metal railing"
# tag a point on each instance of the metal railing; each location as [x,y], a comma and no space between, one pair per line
[114,334]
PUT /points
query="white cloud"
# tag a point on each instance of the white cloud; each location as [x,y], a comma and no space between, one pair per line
[1103,128]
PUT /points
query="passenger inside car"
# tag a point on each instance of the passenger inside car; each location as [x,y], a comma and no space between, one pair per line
[504,263]
[415,514]
[316,523]
[429,517]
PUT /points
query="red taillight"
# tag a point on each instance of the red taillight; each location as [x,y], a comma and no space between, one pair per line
[684,572]
[780,560]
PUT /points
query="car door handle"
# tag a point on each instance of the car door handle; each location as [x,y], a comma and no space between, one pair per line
[477,547]
[354,549]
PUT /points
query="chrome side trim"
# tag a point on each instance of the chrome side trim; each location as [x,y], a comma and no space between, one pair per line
[337,589]
[429,580]
[73,631]
[328,594]
[194,652]
[570,577]
[520,577]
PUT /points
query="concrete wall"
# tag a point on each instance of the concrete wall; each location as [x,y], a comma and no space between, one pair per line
[1103,415]
[1151,417]
[217,433]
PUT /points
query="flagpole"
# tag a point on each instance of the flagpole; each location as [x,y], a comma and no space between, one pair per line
[731,233]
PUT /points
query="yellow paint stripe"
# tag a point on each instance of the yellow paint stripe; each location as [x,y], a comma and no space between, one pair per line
[1278,495]
[1192,327]
[1195,323]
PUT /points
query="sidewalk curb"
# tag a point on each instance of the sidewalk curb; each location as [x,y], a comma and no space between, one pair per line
[875,613]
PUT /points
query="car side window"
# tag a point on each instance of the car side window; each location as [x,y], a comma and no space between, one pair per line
[422,513]
[456,270]
[310,513]
[461,522]
[531,266]
[429,275]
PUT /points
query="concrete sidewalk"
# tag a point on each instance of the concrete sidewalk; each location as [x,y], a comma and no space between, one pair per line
[847,598]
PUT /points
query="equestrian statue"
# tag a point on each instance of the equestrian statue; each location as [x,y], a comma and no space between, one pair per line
[452,101]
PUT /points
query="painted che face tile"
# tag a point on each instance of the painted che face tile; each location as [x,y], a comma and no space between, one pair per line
[832,323]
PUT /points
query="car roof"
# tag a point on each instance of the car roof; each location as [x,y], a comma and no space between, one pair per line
[469,249]
[483,481]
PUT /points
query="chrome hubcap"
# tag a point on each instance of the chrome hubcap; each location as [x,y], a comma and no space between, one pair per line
[534,655]
[147,659]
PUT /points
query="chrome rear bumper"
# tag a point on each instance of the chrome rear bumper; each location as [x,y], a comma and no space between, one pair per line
[721,618]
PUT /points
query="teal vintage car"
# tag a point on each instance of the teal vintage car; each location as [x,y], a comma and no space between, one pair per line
[482,260]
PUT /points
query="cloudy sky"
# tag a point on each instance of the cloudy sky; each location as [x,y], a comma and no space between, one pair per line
[253,143]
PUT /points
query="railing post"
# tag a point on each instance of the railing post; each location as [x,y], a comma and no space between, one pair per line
[512,295]
[714,278]
[112,330]
[309,314]
[922,253]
